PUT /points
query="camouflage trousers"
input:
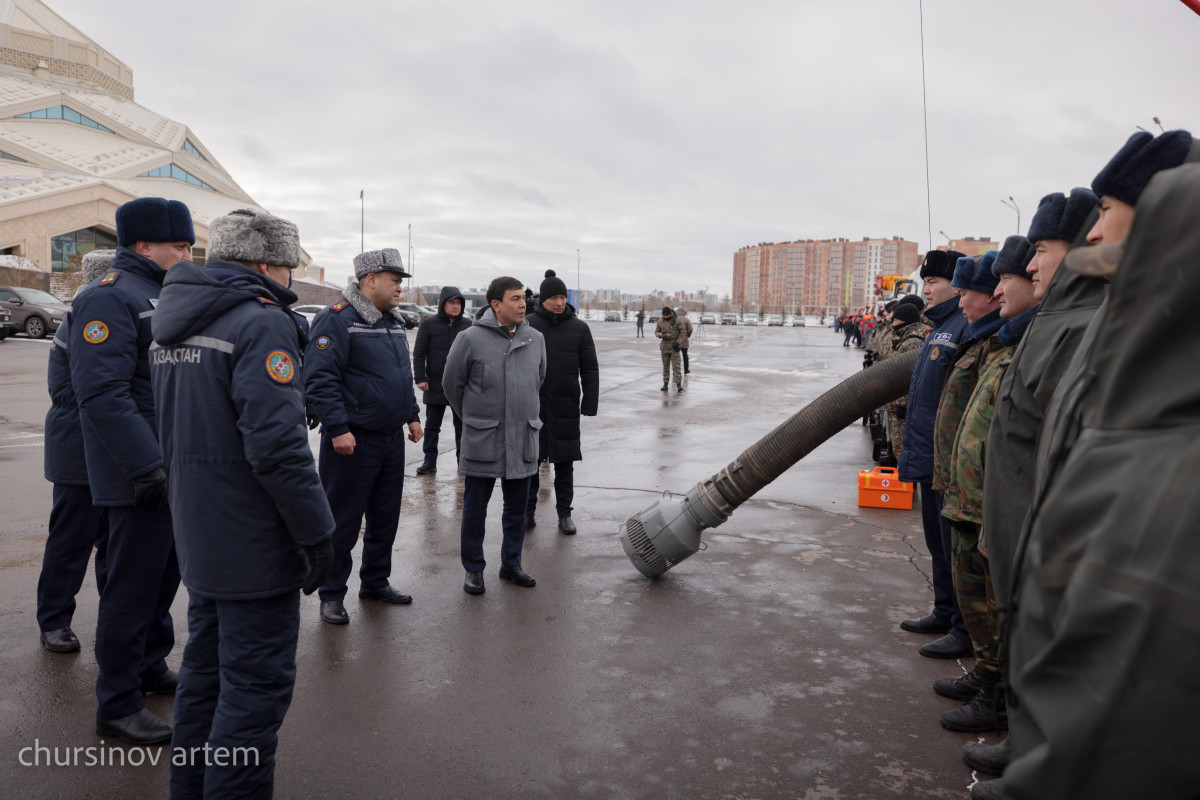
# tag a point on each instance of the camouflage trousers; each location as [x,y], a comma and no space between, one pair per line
[976,600]
[896,429]
[672,361]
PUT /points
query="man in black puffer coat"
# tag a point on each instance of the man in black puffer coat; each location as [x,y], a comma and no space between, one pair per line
[434,338]
[570,360]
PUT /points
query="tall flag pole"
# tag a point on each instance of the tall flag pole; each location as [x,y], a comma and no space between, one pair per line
[362,242]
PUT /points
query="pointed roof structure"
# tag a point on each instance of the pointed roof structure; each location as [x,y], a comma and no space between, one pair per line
[73,143]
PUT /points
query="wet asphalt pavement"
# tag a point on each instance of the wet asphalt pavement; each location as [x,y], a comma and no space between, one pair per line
[769,665]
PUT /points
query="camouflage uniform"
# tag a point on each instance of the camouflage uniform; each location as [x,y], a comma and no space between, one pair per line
[669,332]
[964,506]
[907,337]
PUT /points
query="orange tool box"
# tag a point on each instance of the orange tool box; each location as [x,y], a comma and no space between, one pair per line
[882,488]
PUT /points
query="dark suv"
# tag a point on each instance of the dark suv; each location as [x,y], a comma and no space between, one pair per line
[33,311]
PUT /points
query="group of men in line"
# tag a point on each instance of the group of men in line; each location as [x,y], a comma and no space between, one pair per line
[1051,427]
[177,447]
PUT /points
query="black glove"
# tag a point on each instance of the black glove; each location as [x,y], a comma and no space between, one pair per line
[320,559]
[313,422]
[150,490]
[675,346]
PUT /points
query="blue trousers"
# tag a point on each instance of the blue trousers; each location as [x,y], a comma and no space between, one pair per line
[235,686]
[434,414]
[564,489]
[477,492]
[76,526]
[134,631]
[368,482]
[937,541]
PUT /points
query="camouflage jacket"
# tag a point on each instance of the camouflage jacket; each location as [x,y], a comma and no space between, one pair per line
[907,337]
[964,492]
[960,383]
[669,331]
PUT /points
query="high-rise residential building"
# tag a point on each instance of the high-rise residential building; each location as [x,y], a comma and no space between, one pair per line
[819,276]
[971,245]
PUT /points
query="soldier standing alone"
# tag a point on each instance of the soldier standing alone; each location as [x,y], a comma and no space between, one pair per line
[669,331]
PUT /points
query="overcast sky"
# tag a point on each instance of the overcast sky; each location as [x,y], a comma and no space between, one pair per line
[655,136]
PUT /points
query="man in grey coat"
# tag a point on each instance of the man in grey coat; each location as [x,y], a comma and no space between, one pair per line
[492,380]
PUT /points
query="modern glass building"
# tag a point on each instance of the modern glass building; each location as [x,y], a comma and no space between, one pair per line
[74,145]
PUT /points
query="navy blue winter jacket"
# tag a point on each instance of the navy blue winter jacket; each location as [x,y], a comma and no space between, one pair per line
[925,389]
[109,336]
[245,496]
[64,460]
[358,374]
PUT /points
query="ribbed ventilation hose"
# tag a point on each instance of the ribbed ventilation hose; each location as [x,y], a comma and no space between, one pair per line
[800,434]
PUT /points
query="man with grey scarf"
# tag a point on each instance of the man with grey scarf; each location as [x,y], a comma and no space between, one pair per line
[359,384]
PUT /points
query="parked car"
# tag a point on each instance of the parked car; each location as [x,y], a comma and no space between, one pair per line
[309,312]
[6,326]
[34,311]
[708,319]
[798,321]
[654,317]
[729,319]
[775,320]
[417,311]
[749,319]
[612,316]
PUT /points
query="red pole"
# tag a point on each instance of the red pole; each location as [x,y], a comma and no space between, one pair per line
[1194,5]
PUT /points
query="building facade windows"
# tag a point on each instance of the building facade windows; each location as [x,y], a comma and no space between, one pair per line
[172,171]
[191,148]
[67,251]
[11,157]
[66,114]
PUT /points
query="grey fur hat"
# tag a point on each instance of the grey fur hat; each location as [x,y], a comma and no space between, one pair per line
[96,263]
[253,236]
[378,261]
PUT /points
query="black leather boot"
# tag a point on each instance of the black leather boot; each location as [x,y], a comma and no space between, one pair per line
[961,689]
[989,758]
[986,711]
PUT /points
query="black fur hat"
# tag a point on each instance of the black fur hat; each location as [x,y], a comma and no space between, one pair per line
[940,264]
[1060,217]
[1126,175]
[154,219]
[1014,257]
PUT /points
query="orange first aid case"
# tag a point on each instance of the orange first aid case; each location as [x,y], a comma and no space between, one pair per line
[882,488]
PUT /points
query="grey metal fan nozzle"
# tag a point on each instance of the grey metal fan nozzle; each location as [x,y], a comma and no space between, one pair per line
[669,531]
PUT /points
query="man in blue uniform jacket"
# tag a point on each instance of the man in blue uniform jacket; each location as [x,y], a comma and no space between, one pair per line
[76,526]
[358,376]
[252,525]
[916,457]
[110,374]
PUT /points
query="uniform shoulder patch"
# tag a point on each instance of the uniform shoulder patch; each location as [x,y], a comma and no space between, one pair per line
[110,277]
[280,367]
[95,332]
[322,342]
[339,305]
[266,301]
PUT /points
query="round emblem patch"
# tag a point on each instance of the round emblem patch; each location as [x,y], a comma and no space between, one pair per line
[933,354]
[279,367]
[95,332]
[323,342]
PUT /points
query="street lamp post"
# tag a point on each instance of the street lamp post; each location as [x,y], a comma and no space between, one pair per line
[1013,205]
[949,241]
